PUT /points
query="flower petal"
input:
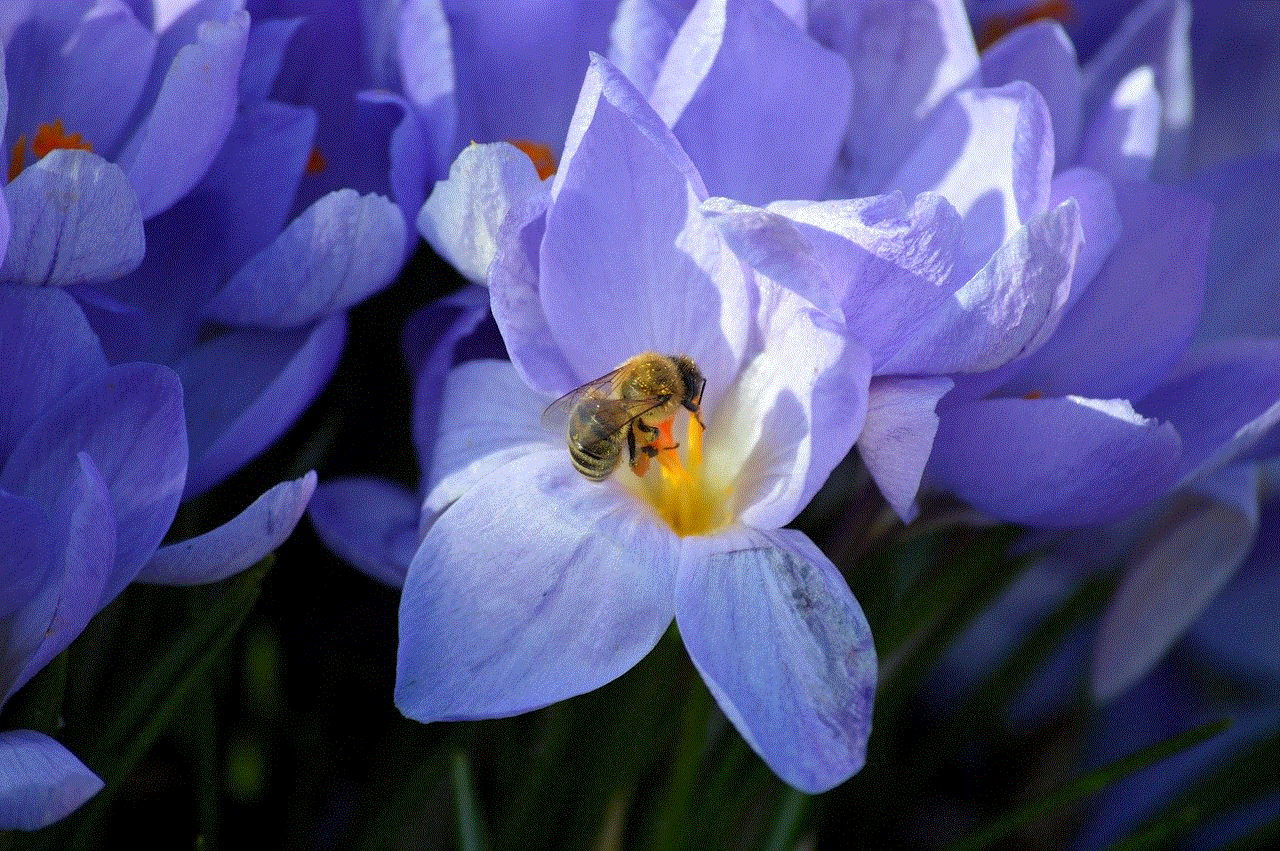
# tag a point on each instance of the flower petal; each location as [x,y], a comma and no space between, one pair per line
[536,585]
[76,583]
[264,52]
[1224,400]
[74,219]
[791,416]
[518,65]
[91,82]
[1099,222]
[898,436]
[891,265]
[342,249]
[1009,308]
[1136,316]
[1042,54]
[641,34]
[516,301]
[370,524]
[626,245]
[1244,258]
[1054,462]
[128,420]
[237,544]
[774,246]
[990,153]
[246,197]
[487,417]
[727,89]
[435,337]
[27,547]
[245,388]
[1122,141]
[170,151]
[784,648]
[1238,629]
[41,781]
[461,217]
[46,348]
[1155,34]
[1196,544]
[906,59]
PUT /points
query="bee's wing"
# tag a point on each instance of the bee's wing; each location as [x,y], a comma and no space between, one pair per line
[556,415]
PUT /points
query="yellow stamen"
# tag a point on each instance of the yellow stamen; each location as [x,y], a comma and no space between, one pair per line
[680,493]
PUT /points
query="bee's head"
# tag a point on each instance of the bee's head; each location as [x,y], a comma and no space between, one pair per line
[693,381]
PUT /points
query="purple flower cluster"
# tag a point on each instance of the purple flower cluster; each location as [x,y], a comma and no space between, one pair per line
[867,234]
[169,305]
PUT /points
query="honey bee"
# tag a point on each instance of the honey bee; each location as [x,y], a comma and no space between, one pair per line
[625,408]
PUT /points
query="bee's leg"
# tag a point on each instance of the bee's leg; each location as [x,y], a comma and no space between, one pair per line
[693,409]
[640,462]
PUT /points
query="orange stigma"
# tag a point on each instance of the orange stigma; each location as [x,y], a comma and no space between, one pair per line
[48,137]
[543,160]
[316,162]
[998,26]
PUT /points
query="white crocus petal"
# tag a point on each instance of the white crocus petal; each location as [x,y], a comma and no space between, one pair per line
[536,585]
[791,416]
[784,647]
[488,417]
[628,263]
[898,436]
[1195,547]
[461,217]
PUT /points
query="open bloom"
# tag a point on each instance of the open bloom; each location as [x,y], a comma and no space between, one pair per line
[92,464]
[535,584]
[108,124]
[250,315]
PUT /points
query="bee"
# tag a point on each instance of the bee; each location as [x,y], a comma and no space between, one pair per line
[625,408]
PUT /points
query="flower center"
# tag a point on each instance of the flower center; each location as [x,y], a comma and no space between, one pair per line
[47,137]
[543,160]
[679,492]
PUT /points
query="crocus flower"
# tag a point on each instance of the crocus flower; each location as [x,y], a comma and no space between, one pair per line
[250,315]
[561,584]
[401,89]
[92,464]
[108,124]
[1221,396]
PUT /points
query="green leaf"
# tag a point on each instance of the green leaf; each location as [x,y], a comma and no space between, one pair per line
[1088,784]
[472,835]
[164,691]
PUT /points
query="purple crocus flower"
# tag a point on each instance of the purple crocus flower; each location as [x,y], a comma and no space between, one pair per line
[92,464]
[108,124]
[1221,395]
[561,584]
[400,88]
[249,315]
